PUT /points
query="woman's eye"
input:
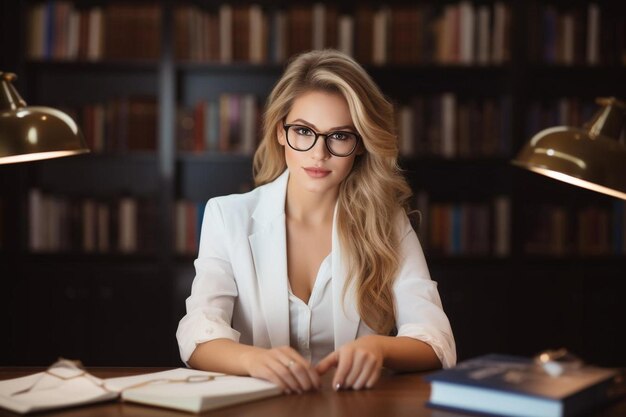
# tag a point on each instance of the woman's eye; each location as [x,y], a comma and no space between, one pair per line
[304,131]
[338,136]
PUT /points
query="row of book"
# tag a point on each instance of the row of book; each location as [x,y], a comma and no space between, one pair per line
[128,124]
[229,124]
[442,125]
[57,223]
[555,230]
[439,125]
[579,34]
[125,225]
[466,228]
[64,30]
[452,33]
[447,126]
[121,124]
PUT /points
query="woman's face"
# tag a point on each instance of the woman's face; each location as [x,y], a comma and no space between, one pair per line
[317,170]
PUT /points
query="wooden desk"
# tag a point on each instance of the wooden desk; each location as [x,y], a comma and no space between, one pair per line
[393,396]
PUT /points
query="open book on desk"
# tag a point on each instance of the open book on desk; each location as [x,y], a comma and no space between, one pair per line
[190,390]
[181,389]
[62,385]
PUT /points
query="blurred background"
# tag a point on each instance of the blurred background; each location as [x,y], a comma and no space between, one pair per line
[96,251]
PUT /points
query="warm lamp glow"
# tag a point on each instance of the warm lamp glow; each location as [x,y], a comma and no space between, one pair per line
[36,156]
[33,133]
[592,157]
[578,182]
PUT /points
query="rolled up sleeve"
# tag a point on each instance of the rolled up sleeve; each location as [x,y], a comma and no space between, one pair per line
[213,292]
[419,311]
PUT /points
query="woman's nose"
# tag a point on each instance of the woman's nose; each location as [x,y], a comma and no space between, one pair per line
[319,150]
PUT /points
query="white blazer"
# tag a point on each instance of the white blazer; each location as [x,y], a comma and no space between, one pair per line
[240,291]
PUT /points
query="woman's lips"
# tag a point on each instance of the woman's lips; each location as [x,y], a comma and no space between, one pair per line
[317,172]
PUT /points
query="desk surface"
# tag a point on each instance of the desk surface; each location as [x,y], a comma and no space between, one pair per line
[393,396]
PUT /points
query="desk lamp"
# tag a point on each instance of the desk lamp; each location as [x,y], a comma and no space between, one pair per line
[591,157]
[32,133]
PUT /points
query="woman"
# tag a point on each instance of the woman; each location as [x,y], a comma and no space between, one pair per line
[318,266]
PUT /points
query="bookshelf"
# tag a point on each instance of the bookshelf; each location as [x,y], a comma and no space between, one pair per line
[503,245]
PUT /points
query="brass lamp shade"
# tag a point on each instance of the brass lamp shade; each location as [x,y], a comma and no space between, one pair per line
[32,133]
[591,157]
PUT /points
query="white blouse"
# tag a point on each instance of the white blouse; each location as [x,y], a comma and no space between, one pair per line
[311,325]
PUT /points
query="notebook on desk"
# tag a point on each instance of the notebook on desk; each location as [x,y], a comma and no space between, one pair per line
[180,389]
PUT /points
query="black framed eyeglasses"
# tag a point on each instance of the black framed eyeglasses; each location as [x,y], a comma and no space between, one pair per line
[339,143]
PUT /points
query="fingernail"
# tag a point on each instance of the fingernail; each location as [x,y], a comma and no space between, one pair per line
[337,386]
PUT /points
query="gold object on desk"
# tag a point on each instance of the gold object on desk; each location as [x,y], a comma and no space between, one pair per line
[29,133]
[591,157]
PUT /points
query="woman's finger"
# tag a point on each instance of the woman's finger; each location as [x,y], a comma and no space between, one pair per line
[344,365]
[302,369]
[332,359]
[300,373]
[358,361]
[282,372]
[373,378]
[367,369]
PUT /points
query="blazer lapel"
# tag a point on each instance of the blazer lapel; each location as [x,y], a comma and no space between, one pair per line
[269,252]
[345,314]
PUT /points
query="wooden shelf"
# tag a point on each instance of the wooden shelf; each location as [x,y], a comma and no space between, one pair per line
[506,299]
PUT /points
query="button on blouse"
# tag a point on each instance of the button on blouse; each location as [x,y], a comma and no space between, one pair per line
[311,324]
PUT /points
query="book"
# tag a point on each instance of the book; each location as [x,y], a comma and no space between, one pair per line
[58,387]
[191,390]
[506,385]
[67,385]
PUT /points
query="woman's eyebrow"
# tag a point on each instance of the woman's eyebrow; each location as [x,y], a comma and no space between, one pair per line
[330,130]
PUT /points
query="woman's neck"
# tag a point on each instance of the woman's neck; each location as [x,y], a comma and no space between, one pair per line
[310,208]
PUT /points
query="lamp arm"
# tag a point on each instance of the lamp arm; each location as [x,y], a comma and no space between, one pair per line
[608,120]
[10,99]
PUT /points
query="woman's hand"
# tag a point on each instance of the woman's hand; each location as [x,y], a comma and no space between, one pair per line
[282,366]
[358,363]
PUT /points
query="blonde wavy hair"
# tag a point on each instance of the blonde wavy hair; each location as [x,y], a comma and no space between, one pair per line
[372,194]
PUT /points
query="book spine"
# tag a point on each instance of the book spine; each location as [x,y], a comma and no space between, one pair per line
[346,35]
[593,34]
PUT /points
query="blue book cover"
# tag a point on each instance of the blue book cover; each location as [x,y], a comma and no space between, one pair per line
[49,30]
[515,386]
